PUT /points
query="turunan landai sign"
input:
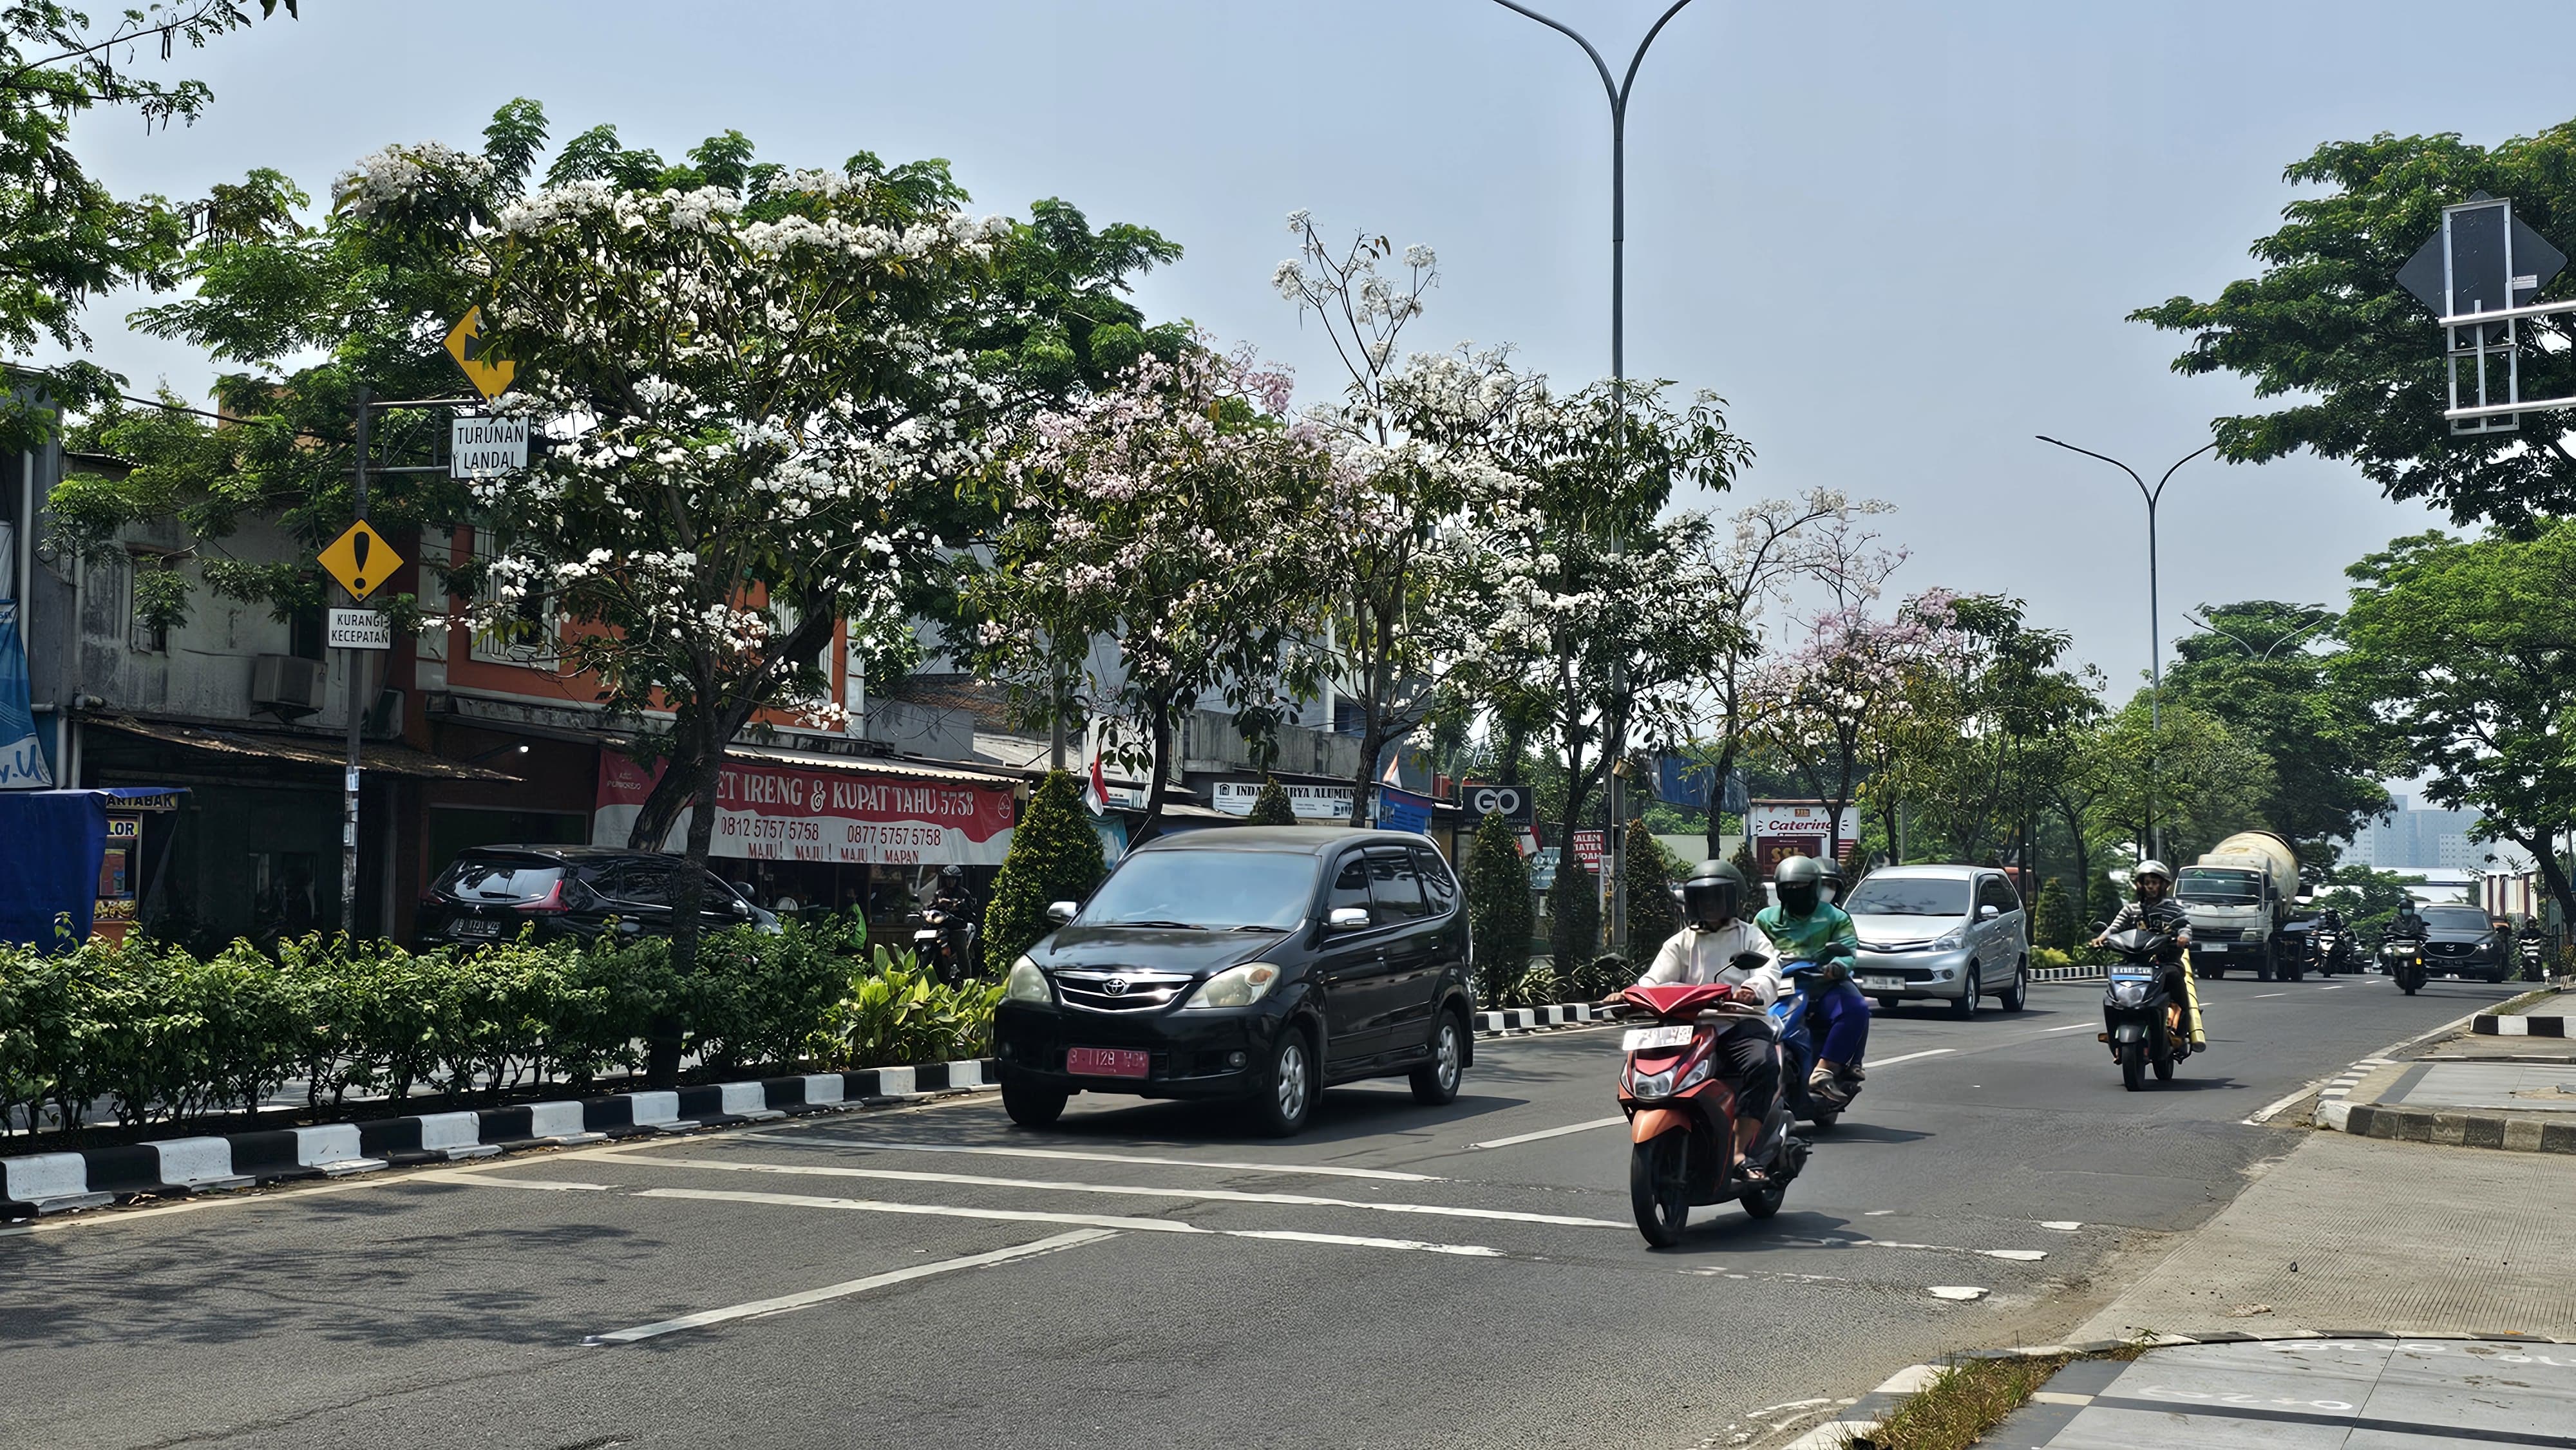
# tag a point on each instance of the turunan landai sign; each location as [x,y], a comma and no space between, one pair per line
[480,447]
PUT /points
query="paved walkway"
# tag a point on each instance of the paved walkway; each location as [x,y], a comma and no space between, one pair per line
[2519,1086]
[2308,1395]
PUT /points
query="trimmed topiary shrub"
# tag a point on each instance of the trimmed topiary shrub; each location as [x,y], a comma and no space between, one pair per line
[1499,916]
[1054,856]
[2053,918]
[1574,914]
[1271,807]
[1652,916]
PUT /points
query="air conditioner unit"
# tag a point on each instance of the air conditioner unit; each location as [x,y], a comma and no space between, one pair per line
[287,686]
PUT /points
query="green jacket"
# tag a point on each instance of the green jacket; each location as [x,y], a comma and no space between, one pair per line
[1819,936]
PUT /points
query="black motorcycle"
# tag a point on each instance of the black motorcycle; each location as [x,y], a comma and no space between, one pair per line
[2143,1006]
[2402,958]
[2334,950]
[943,941]
[2533,952]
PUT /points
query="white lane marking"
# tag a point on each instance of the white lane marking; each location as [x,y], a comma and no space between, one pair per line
[2337,987]
[1964,1293]
[2259,996]
[1879,1062]
[786,1303]
[1103,1221]
[1552,1132]
[2062,1225]
[550,1185]
[2069,1027]
[1388,1175]
[1118,1190]
[2020,1255]
[1878,1213]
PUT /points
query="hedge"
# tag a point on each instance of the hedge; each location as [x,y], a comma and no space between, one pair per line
[167,1036]
[1054,856]
[1499,915]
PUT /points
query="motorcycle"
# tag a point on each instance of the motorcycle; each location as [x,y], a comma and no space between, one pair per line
[2402,958]
[944,941]
[2334,951]
[2142,1006]
[2533,952]
[1790,1018]
[1682,1114]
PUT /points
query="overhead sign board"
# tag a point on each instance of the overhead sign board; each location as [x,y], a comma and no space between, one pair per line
[361,560]
[1308,802]
[490,376]
[359,629]
[1511,802]
[480,447]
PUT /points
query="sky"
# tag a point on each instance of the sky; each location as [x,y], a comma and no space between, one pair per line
[1900,239]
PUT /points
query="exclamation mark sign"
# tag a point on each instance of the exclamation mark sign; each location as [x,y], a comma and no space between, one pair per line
[358,548]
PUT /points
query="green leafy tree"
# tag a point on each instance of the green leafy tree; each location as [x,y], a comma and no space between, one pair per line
[2103,902]
[1573,916]
[2053,918]
[2369,898]
[1054,856]
[1271,807]
[2467,650]
[1499,918]
[1652,916]
[2251,668]
[2327,325]
[2206,782]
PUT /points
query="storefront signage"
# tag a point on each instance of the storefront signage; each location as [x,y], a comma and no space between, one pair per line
[768,812]
[1310,802]
[1587,849]
[1796,828]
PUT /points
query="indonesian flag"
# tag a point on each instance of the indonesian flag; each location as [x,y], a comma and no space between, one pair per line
[1095,788]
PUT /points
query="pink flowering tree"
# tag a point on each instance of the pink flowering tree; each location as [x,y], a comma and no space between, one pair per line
[1828,701]
[1175,516]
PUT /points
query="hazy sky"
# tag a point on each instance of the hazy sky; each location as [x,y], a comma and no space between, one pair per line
[1899,238]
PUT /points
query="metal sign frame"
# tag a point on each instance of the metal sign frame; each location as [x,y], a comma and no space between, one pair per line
[2475,338]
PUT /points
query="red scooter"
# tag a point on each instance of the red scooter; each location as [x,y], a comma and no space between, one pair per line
[1682,1113]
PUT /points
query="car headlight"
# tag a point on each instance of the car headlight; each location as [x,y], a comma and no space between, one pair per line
[1951,941]
[1235,987]
[1026,983]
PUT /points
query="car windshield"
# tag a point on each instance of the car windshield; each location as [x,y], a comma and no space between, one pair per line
[495,880]
[2223,888]
[2455,918]
[1909,896]
[1208,890]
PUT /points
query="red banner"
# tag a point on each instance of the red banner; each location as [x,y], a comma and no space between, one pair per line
[768,812]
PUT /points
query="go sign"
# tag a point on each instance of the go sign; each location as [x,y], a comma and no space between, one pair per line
[1511,802]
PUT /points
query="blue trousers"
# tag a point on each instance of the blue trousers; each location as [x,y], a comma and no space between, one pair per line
[1842,1023]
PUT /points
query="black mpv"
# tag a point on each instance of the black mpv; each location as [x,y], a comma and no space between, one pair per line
[569,893]
[1263,963]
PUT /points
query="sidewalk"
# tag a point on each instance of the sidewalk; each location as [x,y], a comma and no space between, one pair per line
[2480,1088]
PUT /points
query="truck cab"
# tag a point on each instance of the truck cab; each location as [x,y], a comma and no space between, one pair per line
[2232,917]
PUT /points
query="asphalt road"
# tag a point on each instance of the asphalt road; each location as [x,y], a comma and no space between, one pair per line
[1148,1275]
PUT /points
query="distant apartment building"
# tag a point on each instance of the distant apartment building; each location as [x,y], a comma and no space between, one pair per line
[2416,839]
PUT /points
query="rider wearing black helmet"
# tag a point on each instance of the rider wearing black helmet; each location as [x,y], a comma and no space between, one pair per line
[1805,926]
[1716,944]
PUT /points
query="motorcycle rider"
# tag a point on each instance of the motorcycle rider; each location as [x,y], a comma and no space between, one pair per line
[2156,910]
[950,896]
[1805,926]
[1717,945]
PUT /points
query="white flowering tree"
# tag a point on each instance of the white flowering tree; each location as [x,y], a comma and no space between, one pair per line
[1176,515]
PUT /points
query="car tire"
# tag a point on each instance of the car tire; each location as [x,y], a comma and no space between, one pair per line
[1966,1006]
[1285,1101]
[2016,996]
[1032,1105]
[1436,1082]
[1887,1004]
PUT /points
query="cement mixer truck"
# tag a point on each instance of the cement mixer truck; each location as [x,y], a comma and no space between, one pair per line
[2239,896]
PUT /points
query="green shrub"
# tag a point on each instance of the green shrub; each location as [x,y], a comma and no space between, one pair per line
[895,1014]
[1271,807]
[2053,918]
[1574,911]
[756,998]
[1652,915]
[1499,915]
[2050,957]
[1054,856]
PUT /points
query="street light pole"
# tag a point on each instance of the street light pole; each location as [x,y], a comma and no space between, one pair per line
[2250,652]
[1614,744]
[2155,628]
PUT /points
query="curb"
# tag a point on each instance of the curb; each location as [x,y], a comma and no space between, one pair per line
[2489,1024]
[1530,1019]
[46,1183]
[2066,974]
[1866,1414]
[2449,1128]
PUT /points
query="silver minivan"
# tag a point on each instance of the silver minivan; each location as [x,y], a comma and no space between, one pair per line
[1955,933]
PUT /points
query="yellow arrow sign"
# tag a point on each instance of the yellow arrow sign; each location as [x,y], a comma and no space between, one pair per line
[361,560]
[491,379]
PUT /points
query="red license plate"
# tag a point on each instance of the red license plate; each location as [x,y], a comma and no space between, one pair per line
[1106,1062]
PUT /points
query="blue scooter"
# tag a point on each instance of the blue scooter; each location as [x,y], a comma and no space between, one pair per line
[1789,1018]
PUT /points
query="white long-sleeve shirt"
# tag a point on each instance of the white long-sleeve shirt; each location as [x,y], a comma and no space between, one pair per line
[1695,956]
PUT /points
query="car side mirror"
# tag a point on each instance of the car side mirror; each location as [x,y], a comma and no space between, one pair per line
[742,908]
[1061,912]
[1989,912]
[1347,918]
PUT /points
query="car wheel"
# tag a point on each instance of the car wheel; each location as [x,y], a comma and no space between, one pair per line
[2016,996]
[1286,1097]
[1966,1006]
[1437,1081]
[1032,1105]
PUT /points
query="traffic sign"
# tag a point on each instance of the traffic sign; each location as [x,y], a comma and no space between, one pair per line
[361,560]
[490,378]
[480,447]
[359,629]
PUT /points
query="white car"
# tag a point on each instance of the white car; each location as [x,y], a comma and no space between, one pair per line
[1955,933]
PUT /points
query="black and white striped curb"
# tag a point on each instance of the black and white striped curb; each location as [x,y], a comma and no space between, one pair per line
[2490,1024]
[2066,974]
[1853,1424]
[2344,1082]
[2449,1127]
[1530,1019]
[45,1183]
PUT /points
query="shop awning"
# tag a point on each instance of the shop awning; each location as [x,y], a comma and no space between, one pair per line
[381,756]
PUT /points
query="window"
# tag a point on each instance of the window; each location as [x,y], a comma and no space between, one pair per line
[1395,885]
[1886,895]
[1350,887]
[527,636]
[1436,880]
[1207,890]
[1996,892]
[304,633]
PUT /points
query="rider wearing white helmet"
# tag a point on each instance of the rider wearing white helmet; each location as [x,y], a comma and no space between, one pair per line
[2156,910]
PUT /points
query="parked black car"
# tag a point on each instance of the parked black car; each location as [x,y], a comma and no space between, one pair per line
[2464,940]
[1262,963]
[568,892]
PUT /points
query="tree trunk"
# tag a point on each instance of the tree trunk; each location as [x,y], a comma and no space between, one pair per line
[2536,846]
[705,755]
[1717,799]
[1372,744]
[670,795]
[1515,738]
[1158,727]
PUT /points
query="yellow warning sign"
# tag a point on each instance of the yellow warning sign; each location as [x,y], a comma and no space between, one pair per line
[490,378]
[361,560]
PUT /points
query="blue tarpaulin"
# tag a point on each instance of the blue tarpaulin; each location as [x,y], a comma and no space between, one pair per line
[22,755]
[51,844]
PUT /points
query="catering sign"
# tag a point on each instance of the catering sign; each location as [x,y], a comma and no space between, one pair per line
[769,812]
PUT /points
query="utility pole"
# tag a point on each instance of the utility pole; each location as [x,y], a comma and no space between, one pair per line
[357,664]
[1614,741]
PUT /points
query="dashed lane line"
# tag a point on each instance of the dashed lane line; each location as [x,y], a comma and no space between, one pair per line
[1384,1175]
[1119,1190]
[1584,1127]
[787,1303]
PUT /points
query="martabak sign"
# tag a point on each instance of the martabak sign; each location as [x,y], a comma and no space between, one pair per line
[770,812]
